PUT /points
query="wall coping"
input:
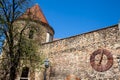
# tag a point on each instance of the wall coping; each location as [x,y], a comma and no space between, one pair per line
[82,34]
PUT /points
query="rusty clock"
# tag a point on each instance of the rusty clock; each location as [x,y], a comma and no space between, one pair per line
[101,60]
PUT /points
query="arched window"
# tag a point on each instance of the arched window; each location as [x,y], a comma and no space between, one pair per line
[24,75]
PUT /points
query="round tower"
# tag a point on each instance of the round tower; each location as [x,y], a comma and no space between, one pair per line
[40,31]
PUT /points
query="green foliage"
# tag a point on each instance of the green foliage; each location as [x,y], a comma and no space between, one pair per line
[29,54]
[28,47]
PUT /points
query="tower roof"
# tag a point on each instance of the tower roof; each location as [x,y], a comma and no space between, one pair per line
[35,13]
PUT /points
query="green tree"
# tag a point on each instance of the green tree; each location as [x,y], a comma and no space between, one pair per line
[16,45]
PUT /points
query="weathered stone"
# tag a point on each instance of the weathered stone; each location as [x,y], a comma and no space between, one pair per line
[72,55]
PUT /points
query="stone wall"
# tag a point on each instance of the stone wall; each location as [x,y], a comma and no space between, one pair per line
[71,56]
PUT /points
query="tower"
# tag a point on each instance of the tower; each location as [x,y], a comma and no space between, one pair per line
[44,32]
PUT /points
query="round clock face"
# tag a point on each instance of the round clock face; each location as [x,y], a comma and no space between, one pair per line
[101,60]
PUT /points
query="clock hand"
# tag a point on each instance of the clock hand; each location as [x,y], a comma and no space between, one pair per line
[101,57]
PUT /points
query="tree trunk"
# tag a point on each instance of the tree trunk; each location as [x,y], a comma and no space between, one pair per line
[14,63]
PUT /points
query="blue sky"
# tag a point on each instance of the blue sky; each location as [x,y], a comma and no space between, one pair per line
[73,17]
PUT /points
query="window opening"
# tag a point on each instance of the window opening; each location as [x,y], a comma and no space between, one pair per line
[49,37]
[24,75]
[31,33]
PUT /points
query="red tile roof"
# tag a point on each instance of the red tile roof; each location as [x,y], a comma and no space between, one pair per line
[35,13]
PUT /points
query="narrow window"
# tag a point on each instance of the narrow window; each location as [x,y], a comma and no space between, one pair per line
[31,33]
[49,37]
[24,75]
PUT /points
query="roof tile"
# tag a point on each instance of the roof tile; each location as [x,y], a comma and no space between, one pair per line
[35,13]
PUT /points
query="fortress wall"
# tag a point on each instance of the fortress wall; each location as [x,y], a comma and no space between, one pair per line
[72,55]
